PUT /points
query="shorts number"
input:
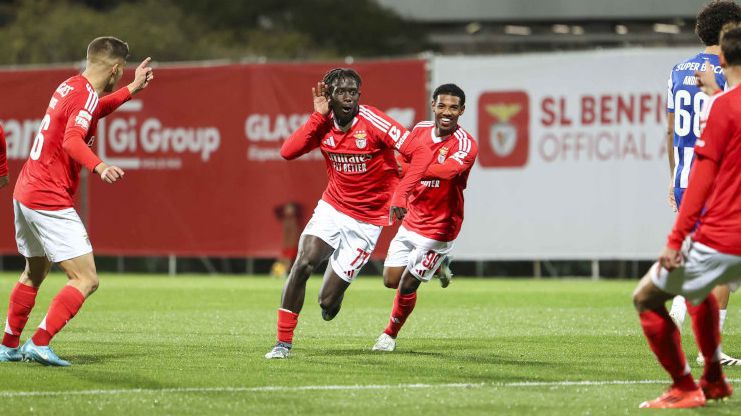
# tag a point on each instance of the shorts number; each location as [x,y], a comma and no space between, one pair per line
[361,258]
[430,259]
[38,142]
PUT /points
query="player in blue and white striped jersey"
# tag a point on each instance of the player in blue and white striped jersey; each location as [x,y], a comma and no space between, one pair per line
[685,102]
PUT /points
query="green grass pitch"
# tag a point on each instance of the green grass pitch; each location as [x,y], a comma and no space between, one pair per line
[194,345]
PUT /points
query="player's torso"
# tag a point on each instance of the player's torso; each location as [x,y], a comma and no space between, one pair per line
[361,169]
[48,167]
[436,205]
[688,100]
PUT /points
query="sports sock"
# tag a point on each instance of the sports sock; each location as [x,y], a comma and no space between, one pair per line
[22,299]
[403,307]
[287,322]
[666,343]
[63,307]
[723,313]
[705,324]
[679,310]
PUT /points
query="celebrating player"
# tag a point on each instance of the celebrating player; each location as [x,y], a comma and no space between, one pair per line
[48,230]
[363,193]
[3,160]
[713,255]
[435,210]
[685,99]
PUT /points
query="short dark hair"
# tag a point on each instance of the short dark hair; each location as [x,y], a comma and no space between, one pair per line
[730,44]
[450,89]
[712,18]
[337,74]
[107,47]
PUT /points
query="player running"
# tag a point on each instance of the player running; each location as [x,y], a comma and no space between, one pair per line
[3,160]
[713,253]
[48,229]
[435,211]
[363,193]
[684,103]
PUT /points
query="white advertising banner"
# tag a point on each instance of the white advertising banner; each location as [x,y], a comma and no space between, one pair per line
[572,161]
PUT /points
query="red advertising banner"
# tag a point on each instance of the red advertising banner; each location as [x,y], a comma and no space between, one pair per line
[200,148]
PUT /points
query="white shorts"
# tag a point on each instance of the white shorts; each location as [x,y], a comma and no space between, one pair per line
[704,268]
[353,241]
[421,255]
[58,235]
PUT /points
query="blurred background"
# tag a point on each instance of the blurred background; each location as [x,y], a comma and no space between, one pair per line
[566,98]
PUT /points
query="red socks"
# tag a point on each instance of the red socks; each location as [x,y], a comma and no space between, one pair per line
[63,307]
[706,325]
[403,307]
[287,322]
[666,342]
[22,299]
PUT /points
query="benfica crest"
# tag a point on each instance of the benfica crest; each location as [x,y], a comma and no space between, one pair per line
[503,135]
[360,140]
[504,118]
[442,155]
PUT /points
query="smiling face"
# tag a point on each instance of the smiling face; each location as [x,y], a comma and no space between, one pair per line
[343,99]
[447,110]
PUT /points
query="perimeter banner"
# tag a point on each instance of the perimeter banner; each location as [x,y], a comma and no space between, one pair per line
[200,148]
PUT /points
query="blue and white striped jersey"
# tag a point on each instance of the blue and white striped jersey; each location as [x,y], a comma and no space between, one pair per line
[686,100]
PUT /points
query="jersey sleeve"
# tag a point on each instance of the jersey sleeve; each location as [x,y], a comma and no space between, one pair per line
[307,137]
[670,94]
[80,110]
[461,161]
[3,154]
[388,130]
[716,132]
[111,102]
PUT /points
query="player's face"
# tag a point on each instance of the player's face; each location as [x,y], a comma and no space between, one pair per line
[116,74]
[447,110]
[344,96]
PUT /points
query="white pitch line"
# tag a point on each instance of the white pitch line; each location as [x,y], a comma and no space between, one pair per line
[264,389]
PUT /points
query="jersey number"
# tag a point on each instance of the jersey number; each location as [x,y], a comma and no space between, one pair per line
[683,119]
[38,142]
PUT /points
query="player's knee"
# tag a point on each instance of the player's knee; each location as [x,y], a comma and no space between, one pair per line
[643,299]
[303,268]
[391,279]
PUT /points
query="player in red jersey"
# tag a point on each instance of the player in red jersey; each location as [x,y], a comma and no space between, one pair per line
[435,214]
[3,160]
[712,255]
[48,230]
[363,193]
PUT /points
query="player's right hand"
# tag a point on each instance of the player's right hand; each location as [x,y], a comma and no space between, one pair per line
[4,180]
[320,94]
[109,174]
[671,198]
[396,213]
[670,259]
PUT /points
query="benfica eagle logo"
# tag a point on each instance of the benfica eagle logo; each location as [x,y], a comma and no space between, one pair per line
[360,140]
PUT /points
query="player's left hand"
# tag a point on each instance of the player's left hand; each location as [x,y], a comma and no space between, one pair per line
[396,213]
[4,180]
[706,79]
[142,76]
[670,259]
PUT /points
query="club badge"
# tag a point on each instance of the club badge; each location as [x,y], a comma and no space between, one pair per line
[360,140]
[443,154]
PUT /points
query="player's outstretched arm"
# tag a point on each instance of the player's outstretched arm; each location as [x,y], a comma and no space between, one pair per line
[308,136]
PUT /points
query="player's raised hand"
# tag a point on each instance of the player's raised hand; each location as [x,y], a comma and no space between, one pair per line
[396,213]
[706,79]
[108,173]
[4,180]
[320,94]
[670,259]
[142,76]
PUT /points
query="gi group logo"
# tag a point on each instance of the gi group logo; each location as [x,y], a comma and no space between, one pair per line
[504,131]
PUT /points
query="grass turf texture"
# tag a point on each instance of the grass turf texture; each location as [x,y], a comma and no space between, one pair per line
[162,334]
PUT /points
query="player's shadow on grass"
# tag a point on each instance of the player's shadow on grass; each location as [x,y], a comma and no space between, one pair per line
[350,352]
[118,379]
[84,359]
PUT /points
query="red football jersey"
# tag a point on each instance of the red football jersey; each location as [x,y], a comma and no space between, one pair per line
[361,164]
[436,205]
[720,221]
[3,158]
[50,176]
